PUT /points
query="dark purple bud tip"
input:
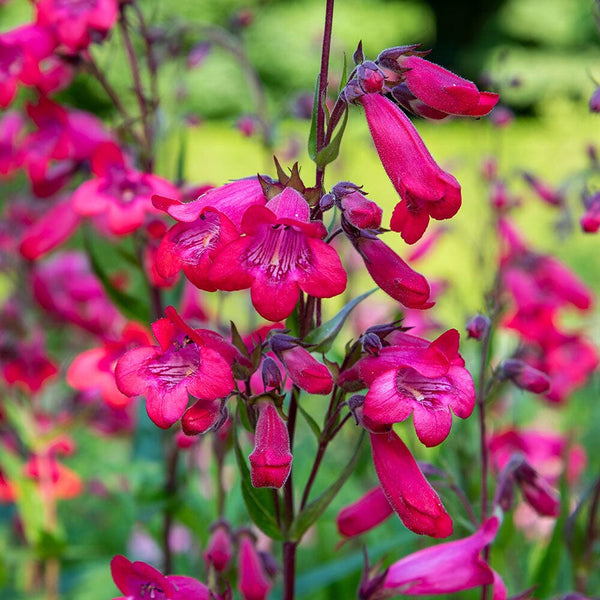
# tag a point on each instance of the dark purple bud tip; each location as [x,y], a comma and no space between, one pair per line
[478,327]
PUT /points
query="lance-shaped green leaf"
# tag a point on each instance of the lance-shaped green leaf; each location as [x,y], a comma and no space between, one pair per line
[131,306]
[259,501]
[330,152]
[311,422]
[322,337]
[316,508]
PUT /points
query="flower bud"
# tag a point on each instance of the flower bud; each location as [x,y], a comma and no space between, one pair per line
[371,344]
[590,220]
[595,101]
[361,212]
[370,76]
[219,550]
[253,582]
[537,491]
[363,515]
[271,375]
[478,327]
[326,202]
[271,459]
[524,376]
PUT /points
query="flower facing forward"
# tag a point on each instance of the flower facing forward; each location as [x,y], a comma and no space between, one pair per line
[186,361]
[140,581]
[414,376]
[281,254]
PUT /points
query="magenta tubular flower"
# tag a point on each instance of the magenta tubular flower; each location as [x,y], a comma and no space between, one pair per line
[203,416]
[444,91]
[140,581]
[361,212]
[95,369]
[253,581]
[525,376]
[79,22]
[219,549]
[425,380]
[55,227]
[187,361]
[392,274]
[544,191]
[280,255]
[444,569]
[304,370]
[119,194]
[406,489]
[190,247]
[363,515]
[271,459]
[22,49]
[426,190]
[231,199]
[590,220]
[538,493]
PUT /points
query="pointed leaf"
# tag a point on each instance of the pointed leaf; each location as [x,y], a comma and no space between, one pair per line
[312,136]
[322,337]
[344,77]
[311,423]
[130,306]
[330,152]
[258,501]
[317,507]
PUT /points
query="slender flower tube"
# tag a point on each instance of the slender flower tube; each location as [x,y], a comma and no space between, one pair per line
[406,488]
[444,569]
[367,512]
[426,190]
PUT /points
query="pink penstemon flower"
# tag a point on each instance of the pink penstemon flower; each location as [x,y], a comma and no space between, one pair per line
[443,569]
[140,581]
[370,510]
[187,361]
[426,190]
[119,194]
[281,254]
[406,489]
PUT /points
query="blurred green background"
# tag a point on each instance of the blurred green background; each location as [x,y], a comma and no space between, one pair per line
[541,55]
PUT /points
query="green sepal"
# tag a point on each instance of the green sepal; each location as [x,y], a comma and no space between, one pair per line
[330,152]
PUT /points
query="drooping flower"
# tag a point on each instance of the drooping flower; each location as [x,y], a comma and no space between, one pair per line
[271,459]
[304,370]
[367,512]
[187,361]
[281,254]
[119,194]
[431,91]
[426,190]
[443,569]
[253,581]
[406,489]
[391,273]
[219,549]
[140,581]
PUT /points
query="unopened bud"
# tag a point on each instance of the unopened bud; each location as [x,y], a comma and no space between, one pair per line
[525,376]
[371,344]
[271,375]
[219,550]
[478,327]
[326,202]
[595,101]
[370,76]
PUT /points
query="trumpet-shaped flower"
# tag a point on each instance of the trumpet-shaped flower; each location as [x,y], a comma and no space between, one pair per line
[406,489]
[187,361]
[426,190]
[280,255]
